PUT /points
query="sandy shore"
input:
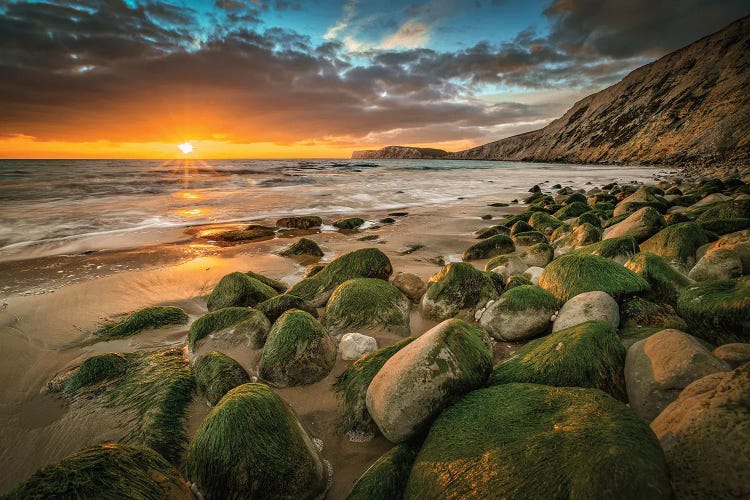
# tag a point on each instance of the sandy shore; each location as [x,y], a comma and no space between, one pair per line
[50,306]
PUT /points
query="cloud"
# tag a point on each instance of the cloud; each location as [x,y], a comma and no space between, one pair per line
[410,35]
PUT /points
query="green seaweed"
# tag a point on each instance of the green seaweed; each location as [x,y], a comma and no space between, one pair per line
[300,222]
[666,282]
[522,227]
[348,224]
[275,284]
[366,303]
[386,479]
[529,238]
[489,247]
[677,243]
[303,246]
[544,223]
[144,319]
[517,280]
[215,321]
[217,374]
[238,290]
[95,369]
[726,226]
[457,286]
[571,210]
[619,247]
[491,231]
[274,307]
[717,311]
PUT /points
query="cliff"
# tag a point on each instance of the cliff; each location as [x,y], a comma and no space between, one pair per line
[401,152]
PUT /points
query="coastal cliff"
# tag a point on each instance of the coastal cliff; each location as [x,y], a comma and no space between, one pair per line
[401,152]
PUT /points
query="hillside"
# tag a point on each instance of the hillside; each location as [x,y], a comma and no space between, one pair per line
[400,152]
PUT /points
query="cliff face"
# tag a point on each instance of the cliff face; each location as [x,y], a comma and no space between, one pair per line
[401,152]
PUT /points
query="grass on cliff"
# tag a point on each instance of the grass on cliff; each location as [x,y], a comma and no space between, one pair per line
[144,319]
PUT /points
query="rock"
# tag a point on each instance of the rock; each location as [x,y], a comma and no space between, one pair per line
[513,281]
[459,289]
[733,209]
[733,354]
[217,374]
[521,227]
[363,263]
[351,391]
[587,306]
[618,249]
[494,245]
[641,198]
[421,379]
[528,238]
[252,232]
[367,303]
[355,345]
[572,210]
[534,441]
[492,231]
[313,269]
[544,223]
[591,217]
[217,324]
[720,264]
[238,290]
[573,274]
[300,222]
[103,471]
[92,370]
[641,225]
[387,477]
[348,224]
[586,355]
[677,244]
[639,312]
[511,264]
[711,199]
[538,255]
[717,311]
[410,285]
[581,236]
[520,313]
[739,242]
[726,226]
[275,284]
[274,307]
[665,281]
[145,319]
[251,445]
[303,247]
[533,274]
[704,435]
[660,366]
[298,351]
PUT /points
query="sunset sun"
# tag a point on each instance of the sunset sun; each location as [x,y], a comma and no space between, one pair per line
[185,147]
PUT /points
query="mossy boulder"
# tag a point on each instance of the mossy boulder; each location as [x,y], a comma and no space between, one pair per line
[363,263]
[641,198]
[520,313]
[251,445]
[590,217]
[217,321]
[538,255]
[734,209]
[529,238]
[298,351]
[492,231]
[106,471]
[252,232]
[427,375]
[583,235]
[521,227]
[719,264]
[274,307]
[366,304]
[351,391]
[217,374]
[96,369]
[641,225]
[517,280]
[717,311]
[738,242]
[303,246]
[535,441]
[387,477]
[586,355]
[300,222]
[495,245]
[602,198]
[512,219]
[666,282]
[238,290]
[725,226]
[145,319]
[511,264]
[572,210]
[677,244]
[459,289]
[639,312]
[619,249]
[275,284]
[348,224]
[572,274]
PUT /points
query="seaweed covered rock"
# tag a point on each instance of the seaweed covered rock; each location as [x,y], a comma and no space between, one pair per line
[520,313]
[639,312]
[641,225]
[387,477]
[491,231]
[275,284]
[528,238]
[348,224]
[254,329]
[739,243]
[717,311]
[666,282]
[363,263]
[490,247]
[351,391]
[726,226]
[659,367]
[719,264]
[144,319]
[238,290]
[521,227]
[459,289]
[572,210]
[217,374]
[641,198]
[677,244]
[534,441]
[506,265]
[421,379]
[303,246]
[544,223]
[573,274]
[704,435]
[274,307]
[253,232]
[251,445]
[586,355]
[106,471]
[619,249]
[516,280]
[581,236]
[298,351]
[538,255]
[300,222]
[366,304]
[587,306]
[410,285]
[95,369]
[731,209]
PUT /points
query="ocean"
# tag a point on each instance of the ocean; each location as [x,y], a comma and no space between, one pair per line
[52,207]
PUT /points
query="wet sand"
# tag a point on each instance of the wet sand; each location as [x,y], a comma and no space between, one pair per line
[49,306]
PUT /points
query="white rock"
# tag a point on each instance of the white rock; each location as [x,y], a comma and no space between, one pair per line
[355,345]
[589,306]
[533,274]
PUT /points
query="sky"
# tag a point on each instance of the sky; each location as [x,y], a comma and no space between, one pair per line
[318,78]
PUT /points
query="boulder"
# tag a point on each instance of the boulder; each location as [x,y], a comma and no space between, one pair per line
[587,306]
[253,232]
[717,311]
[704,435]
[363,263]
[677,244]
[733,354]
[544,223]
[732,209]
[251,445]
[739,242]
[538,255]
[429,374]
[459,289]
[367,303]
[510,264]
[581,236]
[274,307]
[639,312]
[494,245]
[572,210]
[229,327]
[665,281]
[298,351]
[217,374]
[528,238]
[491,231]
[348,224]
[387,477]
[520,313]
[275,284]
[303,246]
[300,222]
[720,264]
[641,198]
[238,290]
[619,249]
[410,285]
[535,441]
[355,345]
[641,225]
[586,355]
[513,281]
[659,367]
[573,274]
[145,319]
[532,274]
[522,227]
